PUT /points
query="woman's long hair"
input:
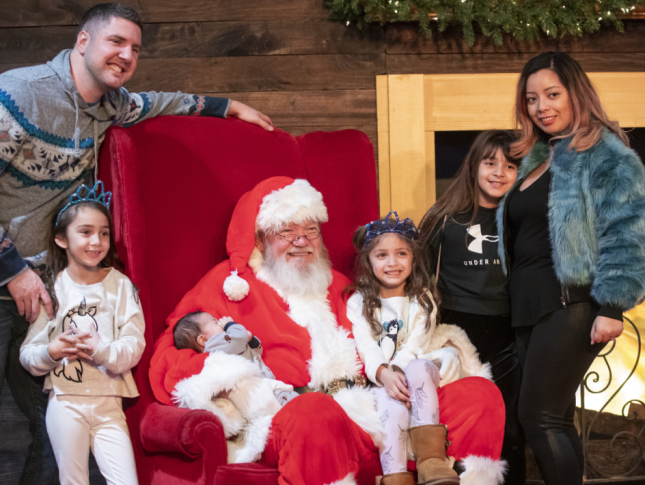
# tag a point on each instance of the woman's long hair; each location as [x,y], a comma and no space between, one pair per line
[588,115]
[462,195]
[56,260]
[417,285]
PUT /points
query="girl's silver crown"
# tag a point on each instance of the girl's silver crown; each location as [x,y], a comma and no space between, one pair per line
[96,194]
[390,224]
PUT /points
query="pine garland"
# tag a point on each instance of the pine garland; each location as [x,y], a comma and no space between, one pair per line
[523,19]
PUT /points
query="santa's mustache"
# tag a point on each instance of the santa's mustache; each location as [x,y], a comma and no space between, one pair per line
[300,252]
[298,277]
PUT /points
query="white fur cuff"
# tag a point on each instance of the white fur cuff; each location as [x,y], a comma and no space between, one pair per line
[481,470]
[359,404]
[348,480]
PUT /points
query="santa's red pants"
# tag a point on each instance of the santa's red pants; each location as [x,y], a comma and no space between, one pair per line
[313,441]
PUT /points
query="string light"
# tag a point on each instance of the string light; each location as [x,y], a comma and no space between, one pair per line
[578,23]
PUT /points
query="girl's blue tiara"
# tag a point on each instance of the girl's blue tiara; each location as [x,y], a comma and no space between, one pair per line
[390,224]
[97,194]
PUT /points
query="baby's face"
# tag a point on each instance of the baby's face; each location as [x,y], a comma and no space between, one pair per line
[209,325]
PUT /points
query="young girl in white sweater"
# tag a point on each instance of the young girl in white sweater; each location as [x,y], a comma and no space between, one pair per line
[393,314]
[90,346]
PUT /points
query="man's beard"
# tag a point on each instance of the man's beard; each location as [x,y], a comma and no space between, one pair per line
[298,279]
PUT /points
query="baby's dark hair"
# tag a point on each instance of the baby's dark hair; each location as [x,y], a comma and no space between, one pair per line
[186,332]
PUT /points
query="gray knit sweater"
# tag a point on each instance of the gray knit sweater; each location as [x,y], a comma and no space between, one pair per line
[49,138]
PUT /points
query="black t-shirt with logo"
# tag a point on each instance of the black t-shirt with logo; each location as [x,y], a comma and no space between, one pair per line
[471,279]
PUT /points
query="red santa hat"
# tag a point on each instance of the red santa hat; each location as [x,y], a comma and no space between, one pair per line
[268,207]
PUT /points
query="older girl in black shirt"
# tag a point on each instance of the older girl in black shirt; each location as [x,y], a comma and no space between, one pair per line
[460,236]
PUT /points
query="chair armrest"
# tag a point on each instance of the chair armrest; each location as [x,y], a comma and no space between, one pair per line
[195,433]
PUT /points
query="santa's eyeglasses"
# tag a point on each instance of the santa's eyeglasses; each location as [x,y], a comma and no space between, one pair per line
[292,237]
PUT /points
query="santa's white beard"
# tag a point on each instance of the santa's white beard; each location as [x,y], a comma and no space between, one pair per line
[297,279]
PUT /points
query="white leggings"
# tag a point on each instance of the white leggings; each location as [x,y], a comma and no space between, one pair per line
[77,423]
[423,379]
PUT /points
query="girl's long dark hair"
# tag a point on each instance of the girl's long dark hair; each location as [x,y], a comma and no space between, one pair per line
[56,260]
[462,195]
[417,285]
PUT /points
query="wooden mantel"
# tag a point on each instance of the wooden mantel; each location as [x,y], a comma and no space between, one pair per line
[412,107]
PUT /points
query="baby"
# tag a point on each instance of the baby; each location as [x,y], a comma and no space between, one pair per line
[253,396]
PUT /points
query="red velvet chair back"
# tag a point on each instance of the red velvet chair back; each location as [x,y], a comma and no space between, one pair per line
[175,182]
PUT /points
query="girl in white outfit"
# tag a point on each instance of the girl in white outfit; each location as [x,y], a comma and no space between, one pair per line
[91,345]
[393,314]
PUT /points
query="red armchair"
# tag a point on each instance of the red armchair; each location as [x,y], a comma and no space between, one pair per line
[175,182]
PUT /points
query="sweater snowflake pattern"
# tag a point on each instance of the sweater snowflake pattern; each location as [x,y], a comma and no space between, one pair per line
[49,140]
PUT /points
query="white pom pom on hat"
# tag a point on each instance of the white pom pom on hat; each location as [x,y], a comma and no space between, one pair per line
[235,287]
[269,206]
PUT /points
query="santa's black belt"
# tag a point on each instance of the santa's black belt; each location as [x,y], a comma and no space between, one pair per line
[334,386]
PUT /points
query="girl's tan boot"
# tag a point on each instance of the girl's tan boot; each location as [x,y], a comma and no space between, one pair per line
[430,443]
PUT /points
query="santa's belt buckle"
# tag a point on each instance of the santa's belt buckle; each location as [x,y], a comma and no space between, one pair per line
[304,389]
[338,384]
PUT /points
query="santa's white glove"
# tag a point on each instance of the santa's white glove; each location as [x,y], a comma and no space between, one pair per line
[254,397]
[278,385]
[447,359]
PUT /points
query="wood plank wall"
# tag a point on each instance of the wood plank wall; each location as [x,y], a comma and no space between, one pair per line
[285,58]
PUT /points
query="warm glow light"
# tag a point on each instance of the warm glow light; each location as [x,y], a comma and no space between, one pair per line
[621,361]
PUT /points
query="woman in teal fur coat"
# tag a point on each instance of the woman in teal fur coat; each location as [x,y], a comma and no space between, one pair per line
[573,246]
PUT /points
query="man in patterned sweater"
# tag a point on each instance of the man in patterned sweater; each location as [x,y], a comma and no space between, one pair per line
[53,119]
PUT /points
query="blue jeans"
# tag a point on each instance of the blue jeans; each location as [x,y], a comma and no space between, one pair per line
[27,391]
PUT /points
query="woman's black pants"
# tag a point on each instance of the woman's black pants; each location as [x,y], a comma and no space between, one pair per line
[494,339]
[555,354]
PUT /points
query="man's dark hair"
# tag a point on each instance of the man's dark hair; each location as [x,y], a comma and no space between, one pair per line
[186,331]
[103,12]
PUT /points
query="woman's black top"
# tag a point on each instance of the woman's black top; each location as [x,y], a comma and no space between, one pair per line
[533,286]
[471,279]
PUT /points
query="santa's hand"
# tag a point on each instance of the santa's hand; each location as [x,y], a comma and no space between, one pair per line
[279,385]
[254,397]
[447,359]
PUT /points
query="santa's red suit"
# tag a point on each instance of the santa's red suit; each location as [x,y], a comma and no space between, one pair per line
[315,439]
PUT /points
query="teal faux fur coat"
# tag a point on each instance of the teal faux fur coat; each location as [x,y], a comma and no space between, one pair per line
[596,218]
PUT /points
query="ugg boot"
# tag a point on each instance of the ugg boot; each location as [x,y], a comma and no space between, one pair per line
[430,443]
[403,478]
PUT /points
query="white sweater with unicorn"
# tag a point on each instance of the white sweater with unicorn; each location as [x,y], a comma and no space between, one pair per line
[109,310]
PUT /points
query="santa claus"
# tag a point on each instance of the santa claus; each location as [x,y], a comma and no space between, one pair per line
[279,284]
